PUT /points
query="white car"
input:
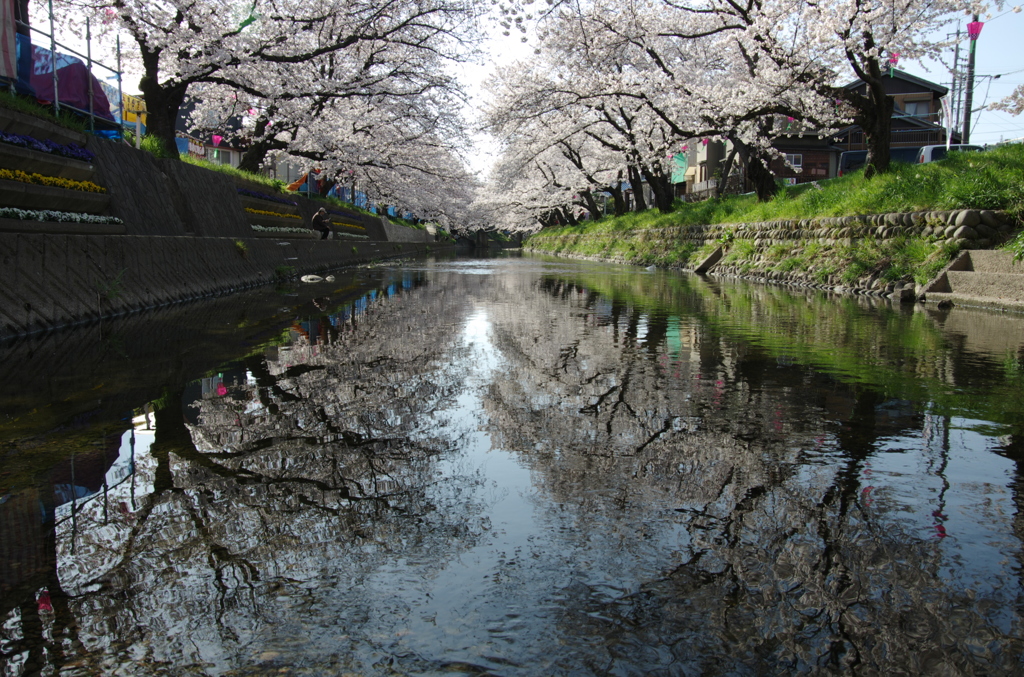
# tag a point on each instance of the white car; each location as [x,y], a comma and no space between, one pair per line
[933,153]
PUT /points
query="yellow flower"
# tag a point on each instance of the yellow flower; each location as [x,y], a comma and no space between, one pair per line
[55,181]
[265,213]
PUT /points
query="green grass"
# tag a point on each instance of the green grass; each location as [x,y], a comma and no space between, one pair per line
[1016,245]
[274,184]
[993,179]
[28,106]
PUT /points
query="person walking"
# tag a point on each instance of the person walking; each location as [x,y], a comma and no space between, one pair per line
[322,223]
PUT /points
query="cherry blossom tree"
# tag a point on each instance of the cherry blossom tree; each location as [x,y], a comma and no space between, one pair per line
[278,51]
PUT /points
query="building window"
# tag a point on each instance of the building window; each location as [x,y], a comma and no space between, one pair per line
[918,109]
[795,161]
[222,157]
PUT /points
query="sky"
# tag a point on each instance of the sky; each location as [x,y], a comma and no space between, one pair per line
[997,52]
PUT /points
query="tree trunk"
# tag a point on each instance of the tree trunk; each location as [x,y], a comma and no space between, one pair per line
[723,182]
[873,112]
[591,204]
[636,184]
[569,217]
[661,187]
[263,142]
[876,121]
[162,103]
[256,153]
[618,199]
[758,172]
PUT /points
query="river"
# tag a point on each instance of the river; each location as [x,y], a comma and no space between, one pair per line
[515,466]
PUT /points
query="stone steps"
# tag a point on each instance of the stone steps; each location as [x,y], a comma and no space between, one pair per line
[982,278]
[991,261]
[992,285]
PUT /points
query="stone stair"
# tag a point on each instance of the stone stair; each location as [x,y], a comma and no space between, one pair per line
[980,278]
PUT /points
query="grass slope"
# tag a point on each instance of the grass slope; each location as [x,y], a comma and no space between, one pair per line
[990,180]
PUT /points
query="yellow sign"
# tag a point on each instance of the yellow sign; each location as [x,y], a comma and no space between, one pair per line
[132,106]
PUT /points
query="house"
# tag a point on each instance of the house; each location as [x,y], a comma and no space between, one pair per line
[916,121]
[917,114]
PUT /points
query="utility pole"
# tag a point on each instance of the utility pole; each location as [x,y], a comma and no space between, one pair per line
[954,124]
[973,30]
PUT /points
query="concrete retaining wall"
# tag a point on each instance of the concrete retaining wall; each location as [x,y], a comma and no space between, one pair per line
[51,281]
[397,233]
[186,234]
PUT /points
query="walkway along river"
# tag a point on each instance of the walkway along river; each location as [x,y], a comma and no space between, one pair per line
[515,466]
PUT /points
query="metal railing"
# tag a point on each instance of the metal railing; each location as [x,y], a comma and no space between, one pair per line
[89,62]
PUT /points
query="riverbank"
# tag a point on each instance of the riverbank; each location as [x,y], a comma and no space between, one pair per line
[97,229]
[807,236]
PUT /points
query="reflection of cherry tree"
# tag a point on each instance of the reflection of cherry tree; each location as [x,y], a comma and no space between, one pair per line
[283,500]
[663,446]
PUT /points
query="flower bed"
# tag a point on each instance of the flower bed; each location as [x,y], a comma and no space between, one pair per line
[53,181]
[55,216]
[263,196]
[261,212]
[278,229]
[69,150]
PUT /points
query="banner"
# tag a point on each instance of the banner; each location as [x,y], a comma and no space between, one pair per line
[8,41]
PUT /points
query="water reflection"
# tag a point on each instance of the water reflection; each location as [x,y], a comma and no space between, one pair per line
[515,467]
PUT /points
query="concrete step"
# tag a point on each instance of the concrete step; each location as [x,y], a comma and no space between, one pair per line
[989,285]
[991,261]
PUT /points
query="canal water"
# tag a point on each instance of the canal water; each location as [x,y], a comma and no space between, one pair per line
[515,466]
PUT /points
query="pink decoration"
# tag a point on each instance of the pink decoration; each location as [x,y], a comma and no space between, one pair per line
[222,390]
[251,111]
[109,14]
[217,139]
[684,149]
[974,29]
[894,58]
[704,141]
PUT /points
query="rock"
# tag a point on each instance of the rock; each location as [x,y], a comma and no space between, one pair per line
[990,218]
[985,230]
[965,232]
[948,232]
[906,294]
[968,217]
[945,303]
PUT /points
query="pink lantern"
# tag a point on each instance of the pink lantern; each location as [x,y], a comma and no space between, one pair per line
[217,139]
[684,149]
[894,58]
[704,141]
[974,29]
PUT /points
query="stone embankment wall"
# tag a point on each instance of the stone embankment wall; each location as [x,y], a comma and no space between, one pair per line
[185,232]
[966,229]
